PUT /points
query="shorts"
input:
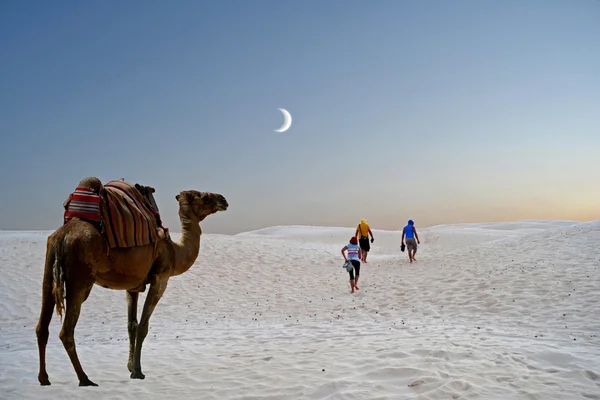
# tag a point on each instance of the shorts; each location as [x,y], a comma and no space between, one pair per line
[411,244]
[356,264]
[364,243]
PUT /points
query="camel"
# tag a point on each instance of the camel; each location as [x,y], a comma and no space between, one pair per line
[77,257]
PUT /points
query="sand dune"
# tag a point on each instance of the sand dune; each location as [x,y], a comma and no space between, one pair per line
[489,311]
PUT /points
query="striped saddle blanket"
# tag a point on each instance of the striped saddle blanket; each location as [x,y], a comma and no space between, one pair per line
[119,210]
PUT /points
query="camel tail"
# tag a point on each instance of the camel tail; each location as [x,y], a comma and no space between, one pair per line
[58,277]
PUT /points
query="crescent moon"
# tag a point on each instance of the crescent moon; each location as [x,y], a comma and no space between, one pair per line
[287,121]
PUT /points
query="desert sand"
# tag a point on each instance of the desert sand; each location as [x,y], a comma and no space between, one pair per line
[494,311]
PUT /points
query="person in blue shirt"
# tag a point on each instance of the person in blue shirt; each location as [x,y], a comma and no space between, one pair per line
[410,233]
[354,256]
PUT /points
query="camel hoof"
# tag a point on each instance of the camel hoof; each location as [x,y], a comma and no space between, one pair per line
[137,375]
[87,383]
[43,379]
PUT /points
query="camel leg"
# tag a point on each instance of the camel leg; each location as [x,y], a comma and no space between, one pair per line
[41,330]
[157,289]
[76,295]
[132,324]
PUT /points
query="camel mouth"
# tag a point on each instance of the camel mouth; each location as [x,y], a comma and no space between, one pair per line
[222,204]
[217,202]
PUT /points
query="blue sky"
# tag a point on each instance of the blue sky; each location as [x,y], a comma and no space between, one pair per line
[437,111]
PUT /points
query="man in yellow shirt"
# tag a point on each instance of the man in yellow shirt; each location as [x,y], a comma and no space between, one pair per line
[363,230]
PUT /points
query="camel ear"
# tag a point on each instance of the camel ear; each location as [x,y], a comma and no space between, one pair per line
[188,197]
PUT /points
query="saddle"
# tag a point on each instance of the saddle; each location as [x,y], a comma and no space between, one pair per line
[127,215]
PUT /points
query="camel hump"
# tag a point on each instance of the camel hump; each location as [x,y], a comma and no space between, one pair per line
[131,216]
[126,214]
[92,183]
[85,202]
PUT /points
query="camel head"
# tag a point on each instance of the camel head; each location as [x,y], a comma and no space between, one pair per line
[200,204]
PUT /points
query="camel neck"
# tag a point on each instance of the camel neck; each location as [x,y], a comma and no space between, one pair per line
[188,247]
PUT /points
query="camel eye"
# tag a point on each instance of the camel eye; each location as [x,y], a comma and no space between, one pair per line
[207,197]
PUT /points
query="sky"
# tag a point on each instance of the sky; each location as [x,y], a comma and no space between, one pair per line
[438,111]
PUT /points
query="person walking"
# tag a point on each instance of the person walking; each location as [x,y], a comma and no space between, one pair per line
[365,230]
[354,256]
[410,233]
